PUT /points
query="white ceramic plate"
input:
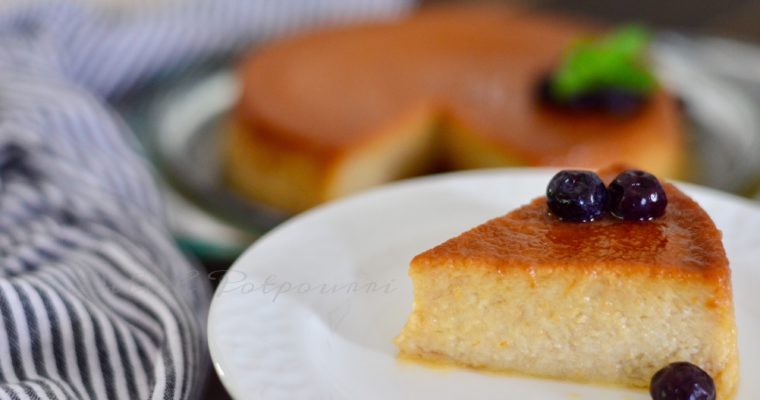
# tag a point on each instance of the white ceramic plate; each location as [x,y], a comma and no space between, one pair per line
[310,310]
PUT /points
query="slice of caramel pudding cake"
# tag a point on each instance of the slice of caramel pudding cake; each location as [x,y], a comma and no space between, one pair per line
[591,283]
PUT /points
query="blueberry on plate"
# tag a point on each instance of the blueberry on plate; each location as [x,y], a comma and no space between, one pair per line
[576,196]
[682,381]
[636,196]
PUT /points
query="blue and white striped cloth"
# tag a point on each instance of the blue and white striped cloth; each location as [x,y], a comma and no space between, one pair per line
[96,301]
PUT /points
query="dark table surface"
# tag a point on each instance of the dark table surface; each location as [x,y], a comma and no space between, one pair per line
[738,19]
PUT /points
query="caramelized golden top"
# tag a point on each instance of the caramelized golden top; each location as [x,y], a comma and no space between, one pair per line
[473,66]
[684,242]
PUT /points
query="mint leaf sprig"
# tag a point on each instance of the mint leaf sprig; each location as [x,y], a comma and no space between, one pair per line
[615,61]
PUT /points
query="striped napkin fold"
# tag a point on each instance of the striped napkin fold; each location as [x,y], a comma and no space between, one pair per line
[96,300]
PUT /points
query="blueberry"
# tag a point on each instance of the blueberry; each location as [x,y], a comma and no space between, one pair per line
[619,101]
[637,196]
[577,196]
[609,100]
[682,381]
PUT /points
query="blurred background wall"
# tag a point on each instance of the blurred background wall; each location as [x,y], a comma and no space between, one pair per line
[738,19]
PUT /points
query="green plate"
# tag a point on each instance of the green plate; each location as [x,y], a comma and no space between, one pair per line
[177,121]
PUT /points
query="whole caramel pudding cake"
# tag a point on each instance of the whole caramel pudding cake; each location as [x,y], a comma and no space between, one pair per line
[332,112]
[609,301]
